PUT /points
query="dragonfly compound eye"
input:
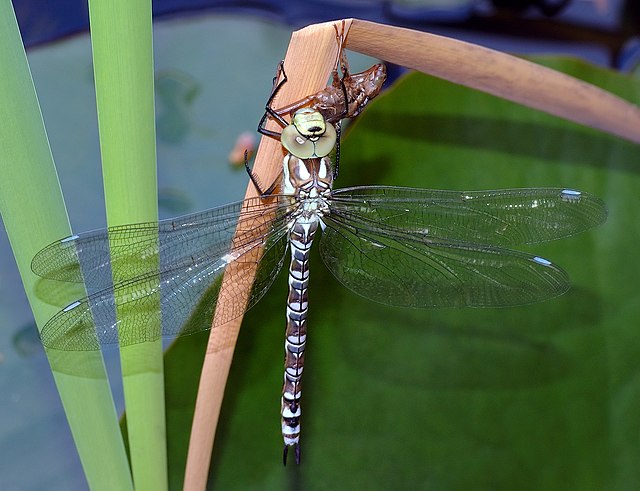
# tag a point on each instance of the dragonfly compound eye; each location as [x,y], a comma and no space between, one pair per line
[308,145]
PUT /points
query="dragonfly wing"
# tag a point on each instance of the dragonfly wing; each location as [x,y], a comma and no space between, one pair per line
[504,217]
[129,251]
[174,301]
[399,269]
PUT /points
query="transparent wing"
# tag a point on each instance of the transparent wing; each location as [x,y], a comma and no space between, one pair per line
[127,251]
[504,217]
[180,296]
[401,269]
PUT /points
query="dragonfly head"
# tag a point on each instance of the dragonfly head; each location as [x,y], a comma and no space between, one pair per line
[309,122]
[308,135]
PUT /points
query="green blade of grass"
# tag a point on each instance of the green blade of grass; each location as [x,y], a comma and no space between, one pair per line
[34,215]
[121,38]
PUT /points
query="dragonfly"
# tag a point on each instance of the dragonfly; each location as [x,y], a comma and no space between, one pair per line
[397,246]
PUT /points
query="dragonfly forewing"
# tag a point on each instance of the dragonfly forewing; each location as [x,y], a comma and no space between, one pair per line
[127,251]
[503,217]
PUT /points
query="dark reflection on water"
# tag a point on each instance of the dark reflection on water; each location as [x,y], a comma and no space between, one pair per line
[572,144]
[26,340]
[503,348]
[174,200]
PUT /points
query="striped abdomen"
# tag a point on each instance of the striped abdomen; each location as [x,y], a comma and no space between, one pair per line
[300,239]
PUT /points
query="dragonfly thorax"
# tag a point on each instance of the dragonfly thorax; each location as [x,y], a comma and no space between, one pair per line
[303,176]
[312,206]
[309,181]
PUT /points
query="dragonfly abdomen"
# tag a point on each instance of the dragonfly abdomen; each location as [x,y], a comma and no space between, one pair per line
[300,239]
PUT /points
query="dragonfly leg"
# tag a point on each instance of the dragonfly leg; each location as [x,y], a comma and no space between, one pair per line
[255,180]
[269,111]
